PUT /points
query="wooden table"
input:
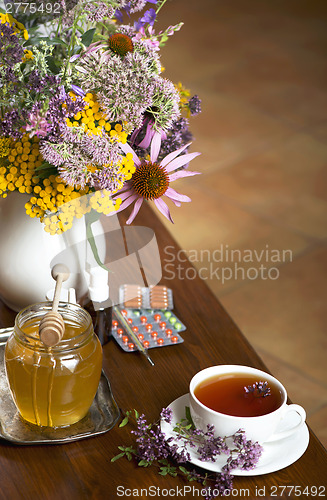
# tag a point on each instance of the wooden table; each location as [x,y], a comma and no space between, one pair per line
[83,469]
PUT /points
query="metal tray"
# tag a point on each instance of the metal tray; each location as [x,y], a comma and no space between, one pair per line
[102,416]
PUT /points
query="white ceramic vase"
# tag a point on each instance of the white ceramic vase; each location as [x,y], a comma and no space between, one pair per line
[28,253]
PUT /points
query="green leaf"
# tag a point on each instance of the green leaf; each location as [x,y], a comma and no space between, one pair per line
[127,449]
[88,37]
[143,463]
[43,166]
[124,422]
[49,41]
[182,469]
[188,416]
[52,65]
[117,457]
[45,170]
[136,414]
[89,219]
[58,41]
[168,470]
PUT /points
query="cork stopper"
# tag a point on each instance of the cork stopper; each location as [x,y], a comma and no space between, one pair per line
[52,326]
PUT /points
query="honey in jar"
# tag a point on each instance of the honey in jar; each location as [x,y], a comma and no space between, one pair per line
[53,386]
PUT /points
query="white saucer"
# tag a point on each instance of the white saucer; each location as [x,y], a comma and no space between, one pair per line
[275,456]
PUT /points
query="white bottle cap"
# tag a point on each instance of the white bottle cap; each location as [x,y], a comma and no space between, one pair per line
[98,284]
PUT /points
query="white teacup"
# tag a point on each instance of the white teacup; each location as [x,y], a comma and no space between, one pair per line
[261,428]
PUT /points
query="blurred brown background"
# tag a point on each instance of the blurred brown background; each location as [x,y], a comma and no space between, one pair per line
[259,67]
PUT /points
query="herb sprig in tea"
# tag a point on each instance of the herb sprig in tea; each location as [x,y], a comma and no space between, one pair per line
[258,389]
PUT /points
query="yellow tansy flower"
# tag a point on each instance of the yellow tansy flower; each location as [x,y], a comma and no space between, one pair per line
[4,146]
[16,25]
[28,55]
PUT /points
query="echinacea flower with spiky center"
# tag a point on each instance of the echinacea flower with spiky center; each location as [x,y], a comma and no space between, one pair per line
[120,44]
[151,179]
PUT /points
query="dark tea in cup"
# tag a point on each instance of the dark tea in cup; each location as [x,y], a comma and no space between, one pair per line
[227,394]
[223,397]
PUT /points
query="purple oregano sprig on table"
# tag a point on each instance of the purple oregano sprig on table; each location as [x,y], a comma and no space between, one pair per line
[171,454]
[258,389]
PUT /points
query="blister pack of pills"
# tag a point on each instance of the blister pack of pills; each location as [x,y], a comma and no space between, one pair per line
[153,328]
[152,297]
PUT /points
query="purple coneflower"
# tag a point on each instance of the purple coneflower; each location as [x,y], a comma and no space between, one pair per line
[151,180]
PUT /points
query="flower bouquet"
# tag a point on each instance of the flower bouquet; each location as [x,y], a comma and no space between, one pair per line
[88,121]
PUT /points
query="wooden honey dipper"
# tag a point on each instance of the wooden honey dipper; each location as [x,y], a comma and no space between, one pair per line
[52,326]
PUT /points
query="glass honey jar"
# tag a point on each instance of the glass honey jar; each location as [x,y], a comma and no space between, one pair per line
[53,386]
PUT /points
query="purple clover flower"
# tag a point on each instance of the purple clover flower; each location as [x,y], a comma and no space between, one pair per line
[140,34]
[36,125]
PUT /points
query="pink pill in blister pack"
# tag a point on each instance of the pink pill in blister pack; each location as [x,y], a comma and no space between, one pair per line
[153,327]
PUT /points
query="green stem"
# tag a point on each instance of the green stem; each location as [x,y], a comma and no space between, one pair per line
[58,26]
[72,41]
[161,5]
